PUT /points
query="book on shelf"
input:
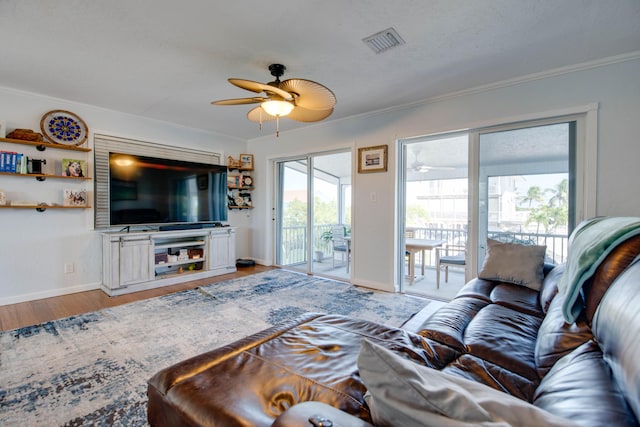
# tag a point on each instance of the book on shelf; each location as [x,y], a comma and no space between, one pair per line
[13,162]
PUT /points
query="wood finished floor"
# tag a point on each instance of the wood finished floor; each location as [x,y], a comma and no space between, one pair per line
[43,310]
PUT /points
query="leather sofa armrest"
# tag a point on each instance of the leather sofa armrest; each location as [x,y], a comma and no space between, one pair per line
[299,415]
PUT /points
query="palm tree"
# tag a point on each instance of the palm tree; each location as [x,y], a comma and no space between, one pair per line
[553,215]
[540,217]
[560,194]
[534,194]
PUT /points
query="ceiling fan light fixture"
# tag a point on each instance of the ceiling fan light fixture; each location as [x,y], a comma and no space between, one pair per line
[300,99]
[277,108]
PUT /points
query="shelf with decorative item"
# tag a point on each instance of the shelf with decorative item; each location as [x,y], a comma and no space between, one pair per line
[240,207]
[244,163]
[42,207]
[44,176]
[235,187]
[244,182]
[22,164]
[42,146]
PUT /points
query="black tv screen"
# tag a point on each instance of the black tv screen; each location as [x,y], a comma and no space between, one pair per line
[149,190]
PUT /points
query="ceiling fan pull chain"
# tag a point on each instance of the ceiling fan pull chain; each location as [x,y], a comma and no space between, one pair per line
[277,126]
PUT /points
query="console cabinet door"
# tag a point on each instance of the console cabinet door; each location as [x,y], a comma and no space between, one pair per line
[135,261]
[222,250]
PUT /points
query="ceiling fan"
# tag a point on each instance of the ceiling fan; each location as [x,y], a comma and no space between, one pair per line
[421,167]
[298,99]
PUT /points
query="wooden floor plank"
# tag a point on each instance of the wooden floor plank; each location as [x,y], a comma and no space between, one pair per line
[34,312]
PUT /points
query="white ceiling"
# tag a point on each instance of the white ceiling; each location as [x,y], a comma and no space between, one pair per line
[168,60]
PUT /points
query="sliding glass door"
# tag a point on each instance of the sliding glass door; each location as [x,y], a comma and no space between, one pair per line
[514,183]
[313,215]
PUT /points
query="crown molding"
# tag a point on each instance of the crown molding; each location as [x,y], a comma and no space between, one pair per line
[602,62]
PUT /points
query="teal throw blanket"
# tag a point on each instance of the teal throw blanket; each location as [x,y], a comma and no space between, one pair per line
[589,245]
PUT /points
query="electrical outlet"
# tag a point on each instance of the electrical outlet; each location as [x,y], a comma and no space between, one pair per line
[69,268]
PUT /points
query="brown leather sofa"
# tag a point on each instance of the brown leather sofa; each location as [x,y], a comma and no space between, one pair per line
[506,336]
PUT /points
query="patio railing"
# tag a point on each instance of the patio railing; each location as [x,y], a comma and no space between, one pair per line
[294,241]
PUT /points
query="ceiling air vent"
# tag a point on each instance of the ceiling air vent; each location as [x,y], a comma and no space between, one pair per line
[384,40]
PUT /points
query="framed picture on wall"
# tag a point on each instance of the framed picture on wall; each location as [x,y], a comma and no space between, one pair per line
[74,198]
[372,159]
[73,167]
[246,160]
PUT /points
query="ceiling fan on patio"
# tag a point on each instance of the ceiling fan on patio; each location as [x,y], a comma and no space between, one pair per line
[422,167]
[298,99]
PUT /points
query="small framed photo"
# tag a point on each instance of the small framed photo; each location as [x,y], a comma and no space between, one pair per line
[372,159]
[246,160]
[73,167]
[74,198]
[3,129]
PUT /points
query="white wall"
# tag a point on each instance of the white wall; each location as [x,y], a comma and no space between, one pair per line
[614,86]
[36,246]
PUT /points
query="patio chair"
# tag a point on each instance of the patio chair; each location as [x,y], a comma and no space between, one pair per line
[409,233]
[339,244]
[451,255]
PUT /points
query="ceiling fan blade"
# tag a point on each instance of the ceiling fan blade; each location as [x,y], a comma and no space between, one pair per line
[259,115]
[260,87]
[310,95]
[239,101]
[300,114]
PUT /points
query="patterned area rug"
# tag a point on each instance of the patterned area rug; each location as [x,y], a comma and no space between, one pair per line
[92,369]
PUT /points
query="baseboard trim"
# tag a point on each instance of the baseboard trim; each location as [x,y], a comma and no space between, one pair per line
[49,294]
[385,287]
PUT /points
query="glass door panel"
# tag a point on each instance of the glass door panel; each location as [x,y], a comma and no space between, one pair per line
[331,214]
[436,200]
[314,199]
[292,217]
[526,187]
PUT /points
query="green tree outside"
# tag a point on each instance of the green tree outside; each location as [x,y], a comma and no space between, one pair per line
[553,215]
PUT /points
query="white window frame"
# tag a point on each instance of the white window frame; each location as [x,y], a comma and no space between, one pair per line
[586,118]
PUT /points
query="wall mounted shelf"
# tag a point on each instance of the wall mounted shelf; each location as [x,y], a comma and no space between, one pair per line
[42,208]
[43,176]
[42,146]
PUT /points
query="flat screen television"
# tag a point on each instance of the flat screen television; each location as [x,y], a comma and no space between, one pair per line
[155,191]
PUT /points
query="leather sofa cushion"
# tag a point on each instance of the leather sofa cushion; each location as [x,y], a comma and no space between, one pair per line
[549,288]
[254,380]
[616,326]
[477,288]
[487,373]
[447,325]
[610,268]
[557,338]
[579,388]
[506,338]
[519,298]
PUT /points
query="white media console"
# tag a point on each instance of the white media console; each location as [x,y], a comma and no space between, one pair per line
[136,261]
